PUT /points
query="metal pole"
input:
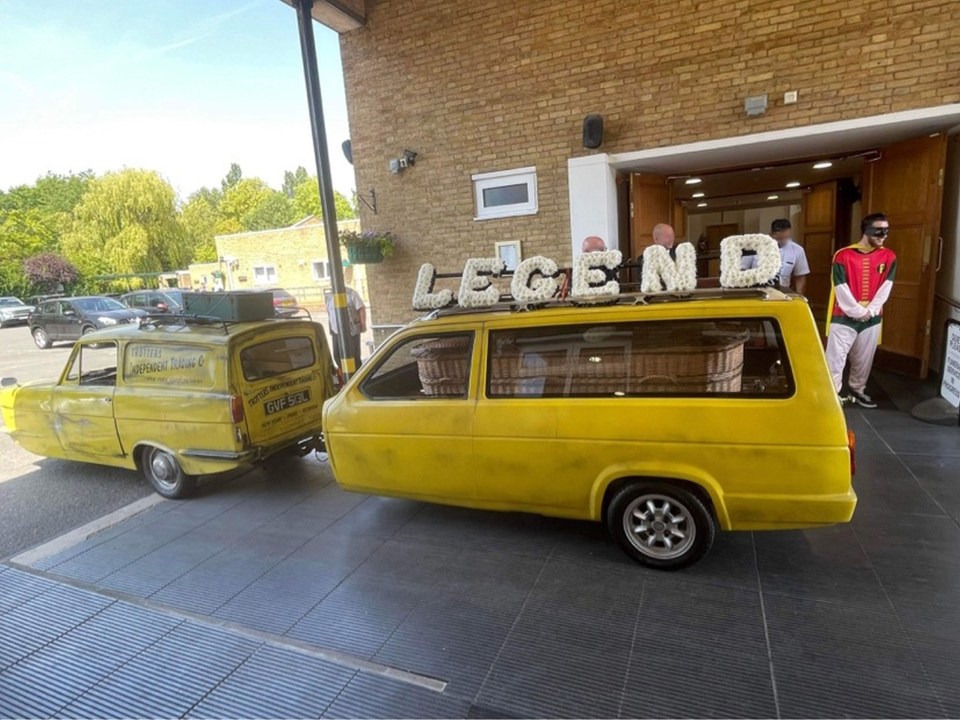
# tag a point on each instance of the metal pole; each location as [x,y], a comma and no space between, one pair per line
[308,51]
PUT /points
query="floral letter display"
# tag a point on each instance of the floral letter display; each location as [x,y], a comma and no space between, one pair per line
[534,280]
[424,298]
[594,274]
[677,276]
[731,252]
[476,290]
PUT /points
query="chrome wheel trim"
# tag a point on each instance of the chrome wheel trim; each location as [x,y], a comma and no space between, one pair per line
[163,469]
[40,337]
[659,526]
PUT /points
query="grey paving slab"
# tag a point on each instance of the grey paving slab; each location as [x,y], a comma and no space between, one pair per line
[940,477]
[885,485]
[210,585]
[859,660]
[908,435]
[168,678]
[275,683]
[18,587]
[825,564]
[370,696]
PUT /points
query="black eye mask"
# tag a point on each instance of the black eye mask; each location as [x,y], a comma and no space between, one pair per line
[877,232]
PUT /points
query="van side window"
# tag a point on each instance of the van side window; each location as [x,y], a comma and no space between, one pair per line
[276,357]
[426,366]
[681,358]
[94,364]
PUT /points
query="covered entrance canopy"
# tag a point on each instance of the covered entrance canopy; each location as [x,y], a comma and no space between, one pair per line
[897,161]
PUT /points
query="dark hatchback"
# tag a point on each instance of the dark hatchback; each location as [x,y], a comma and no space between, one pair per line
[153,301]
[72,317]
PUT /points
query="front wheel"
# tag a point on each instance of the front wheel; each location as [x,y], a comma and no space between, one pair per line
[164,473]
[660,525]
[41,339]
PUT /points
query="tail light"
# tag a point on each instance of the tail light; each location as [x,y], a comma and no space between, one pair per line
[236,408]
[852,444]
[276,302]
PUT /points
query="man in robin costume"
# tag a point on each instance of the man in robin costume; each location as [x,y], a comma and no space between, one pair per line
[862,280]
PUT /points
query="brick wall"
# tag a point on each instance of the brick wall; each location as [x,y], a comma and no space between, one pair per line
[499,84]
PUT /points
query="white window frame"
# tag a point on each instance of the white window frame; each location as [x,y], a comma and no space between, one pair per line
[267,270]
[501,178]
[326,270]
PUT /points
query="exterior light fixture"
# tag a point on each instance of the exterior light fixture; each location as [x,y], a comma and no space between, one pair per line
[773,197]
[692,181]
[823,165]
[793,184]
[697,195]
[701,204]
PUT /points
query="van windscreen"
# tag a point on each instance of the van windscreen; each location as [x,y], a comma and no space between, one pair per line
[276,357]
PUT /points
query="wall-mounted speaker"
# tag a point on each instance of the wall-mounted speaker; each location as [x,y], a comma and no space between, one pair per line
[592,131]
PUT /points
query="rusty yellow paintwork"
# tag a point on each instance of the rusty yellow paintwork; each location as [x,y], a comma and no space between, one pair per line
[772,463]
[173,391]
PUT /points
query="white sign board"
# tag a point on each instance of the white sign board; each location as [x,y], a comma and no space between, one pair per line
[950,386]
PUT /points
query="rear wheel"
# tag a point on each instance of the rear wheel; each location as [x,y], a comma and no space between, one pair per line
[41,339]
[660,525]
[164,473]
[87,329]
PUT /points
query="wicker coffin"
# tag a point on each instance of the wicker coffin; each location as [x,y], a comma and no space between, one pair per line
[443,366]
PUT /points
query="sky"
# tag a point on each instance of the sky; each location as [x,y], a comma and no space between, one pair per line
[183,87]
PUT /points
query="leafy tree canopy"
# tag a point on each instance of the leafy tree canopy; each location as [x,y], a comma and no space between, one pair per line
[234,175]
[292,179]
[127,223]
[49,270]
[306,201]
[252,205]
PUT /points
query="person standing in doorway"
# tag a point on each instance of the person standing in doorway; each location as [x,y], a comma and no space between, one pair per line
[357,314]
[590,244]
[862,278]
[793,260]
[664,236]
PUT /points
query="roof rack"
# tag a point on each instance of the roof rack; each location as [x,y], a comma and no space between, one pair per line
[158,319]
[508,304]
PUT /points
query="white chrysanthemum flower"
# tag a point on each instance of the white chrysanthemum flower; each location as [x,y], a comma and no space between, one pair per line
[423,296]
[731,251]
[534,280]
[589,277]
[677,276]
[476,290]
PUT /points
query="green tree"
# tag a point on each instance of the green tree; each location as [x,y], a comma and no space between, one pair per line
[127,222]
[252,205]
[200,217]
[306,201]
[22,233]
[234,175]
[292,179]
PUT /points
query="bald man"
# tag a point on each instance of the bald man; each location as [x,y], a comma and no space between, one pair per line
[592,243]
[664,236]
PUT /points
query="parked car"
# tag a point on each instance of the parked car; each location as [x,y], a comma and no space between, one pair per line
[13,311]
[284,303]
[71,318]
[178,398]
[163,301]
[665,419]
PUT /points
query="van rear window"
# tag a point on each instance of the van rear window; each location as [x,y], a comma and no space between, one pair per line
[276,357]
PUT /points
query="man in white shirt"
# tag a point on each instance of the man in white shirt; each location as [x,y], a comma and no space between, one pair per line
[793,260]
[357,313]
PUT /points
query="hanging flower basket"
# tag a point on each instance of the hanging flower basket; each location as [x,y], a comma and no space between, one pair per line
[360,255]
[368,247]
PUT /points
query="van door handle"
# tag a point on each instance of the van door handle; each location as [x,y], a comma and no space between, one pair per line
[106,400]
[939,253]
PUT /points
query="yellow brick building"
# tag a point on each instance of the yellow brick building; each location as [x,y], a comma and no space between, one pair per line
[742,95]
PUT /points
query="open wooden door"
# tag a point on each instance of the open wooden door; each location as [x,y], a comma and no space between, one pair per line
[818,240]
[906,183]
[650,196]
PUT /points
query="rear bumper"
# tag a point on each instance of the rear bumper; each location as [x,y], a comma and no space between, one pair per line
[766,512]
[302,445]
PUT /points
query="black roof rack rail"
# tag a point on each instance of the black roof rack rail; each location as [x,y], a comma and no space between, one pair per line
[157,319]
[508,304]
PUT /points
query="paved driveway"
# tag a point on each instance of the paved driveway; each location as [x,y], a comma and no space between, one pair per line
[278,594]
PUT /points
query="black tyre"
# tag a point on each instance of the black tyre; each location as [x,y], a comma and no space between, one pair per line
[660,525]
[87,329]
[164,473]
[41,339]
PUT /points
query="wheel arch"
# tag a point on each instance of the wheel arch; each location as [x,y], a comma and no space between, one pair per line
[704,487]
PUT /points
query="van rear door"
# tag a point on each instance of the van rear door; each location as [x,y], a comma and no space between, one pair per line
[284,377]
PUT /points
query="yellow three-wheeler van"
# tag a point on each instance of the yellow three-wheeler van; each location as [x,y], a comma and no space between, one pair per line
[179,398]
[663,417]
